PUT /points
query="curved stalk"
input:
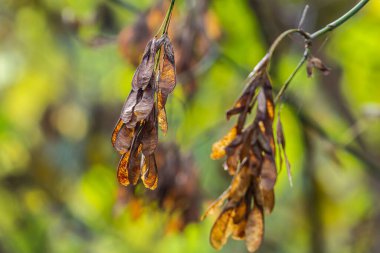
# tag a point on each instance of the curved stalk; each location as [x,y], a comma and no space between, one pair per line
[282,36]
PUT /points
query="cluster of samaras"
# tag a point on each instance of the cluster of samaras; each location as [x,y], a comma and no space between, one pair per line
[250,152]
[135,135]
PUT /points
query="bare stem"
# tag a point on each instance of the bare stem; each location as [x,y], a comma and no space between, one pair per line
[303,16]
[284,35]
[286,84]
[340,20]
[168,17]
[164,27]
[311,37]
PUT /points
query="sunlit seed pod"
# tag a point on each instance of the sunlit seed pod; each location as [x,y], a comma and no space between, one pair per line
[149,173]
[218,149]
[222,228]
[254,230]
[122,170]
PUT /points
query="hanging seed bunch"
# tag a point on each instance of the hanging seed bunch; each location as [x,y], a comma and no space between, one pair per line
[250,160]
[135,136]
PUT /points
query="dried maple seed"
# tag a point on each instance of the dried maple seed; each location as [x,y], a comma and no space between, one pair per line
[129,105]
[143,108]
[149,136]
[218,149]
[162,121]
[144,71]
[149,172]
[134,166]
[254,230]
[316,63]
[221,229]
[122,137]
[122,171]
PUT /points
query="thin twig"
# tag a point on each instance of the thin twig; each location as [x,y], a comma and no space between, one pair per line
[286,84]
[284,35]
[340,20]
[164,27]
[304,13]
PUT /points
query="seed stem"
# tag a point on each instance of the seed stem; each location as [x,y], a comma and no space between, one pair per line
[164,27]
[168,17]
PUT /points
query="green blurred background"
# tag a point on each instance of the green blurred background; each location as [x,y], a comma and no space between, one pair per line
[65,72]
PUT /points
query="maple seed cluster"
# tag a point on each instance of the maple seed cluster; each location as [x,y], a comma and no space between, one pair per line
[250,152]
[135,136]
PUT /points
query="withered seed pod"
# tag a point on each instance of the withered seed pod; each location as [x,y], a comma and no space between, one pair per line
[135,135]
[251,152]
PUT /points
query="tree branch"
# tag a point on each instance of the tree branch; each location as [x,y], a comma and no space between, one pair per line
[333,25]
[340,20]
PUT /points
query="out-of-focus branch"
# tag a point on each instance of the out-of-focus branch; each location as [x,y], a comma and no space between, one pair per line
[312,196]
[372,165]
[126,5]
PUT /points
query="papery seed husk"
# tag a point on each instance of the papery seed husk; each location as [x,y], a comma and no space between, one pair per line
[134,166]
[238,232]
[240,183]
[221,229]
[217,203]
[241,210]
[162,121]
[127,112]
[218,148]
[149,174]
[143,108]
[268,173]
[254,231]
[144,71]
[167,80]
[122,170]
[150,135]
[314,62]
[122,137]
